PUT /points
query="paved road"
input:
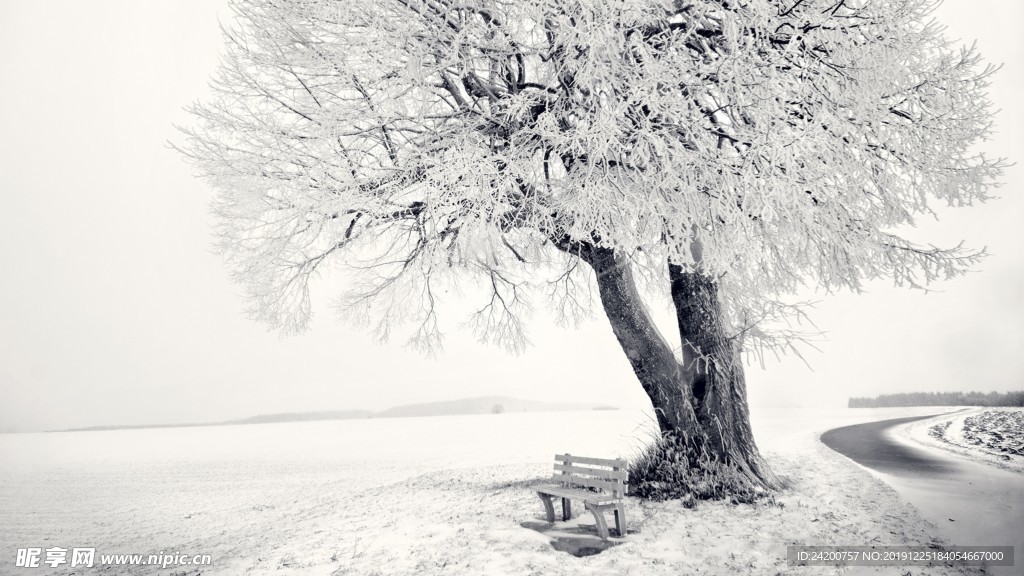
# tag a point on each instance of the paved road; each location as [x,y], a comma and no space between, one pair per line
[870,445]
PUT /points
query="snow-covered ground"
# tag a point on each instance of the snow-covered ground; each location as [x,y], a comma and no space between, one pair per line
[445,495]
[991,435]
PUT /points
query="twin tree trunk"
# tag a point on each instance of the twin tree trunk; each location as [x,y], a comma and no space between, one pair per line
[702,400]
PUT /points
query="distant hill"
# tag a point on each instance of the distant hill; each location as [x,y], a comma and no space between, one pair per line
[303,417]
[482,405]
[137,427]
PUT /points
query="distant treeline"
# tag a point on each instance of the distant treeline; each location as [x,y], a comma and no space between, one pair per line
[940,399]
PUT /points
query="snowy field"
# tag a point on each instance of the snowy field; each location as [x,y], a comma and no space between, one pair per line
[446,495]
[991,435]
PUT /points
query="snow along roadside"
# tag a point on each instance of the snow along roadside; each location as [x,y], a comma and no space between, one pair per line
[951,428]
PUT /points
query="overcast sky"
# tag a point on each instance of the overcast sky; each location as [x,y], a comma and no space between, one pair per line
[113,310]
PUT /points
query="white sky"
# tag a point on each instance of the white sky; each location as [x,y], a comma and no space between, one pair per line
[113,310]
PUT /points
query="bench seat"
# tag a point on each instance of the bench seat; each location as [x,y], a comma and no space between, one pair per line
[577,494]
[599,484]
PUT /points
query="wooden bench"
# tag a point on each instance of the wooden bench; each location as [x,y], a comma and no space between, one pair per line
[600,484]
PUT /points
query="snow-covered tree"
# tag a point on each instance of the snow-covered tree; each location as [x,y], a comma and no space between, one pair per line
[723,152]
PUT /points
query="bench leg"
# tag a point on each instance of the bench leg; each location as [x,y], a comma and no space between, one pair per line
[602,526]
[549,509]
[566,509]
[620,519]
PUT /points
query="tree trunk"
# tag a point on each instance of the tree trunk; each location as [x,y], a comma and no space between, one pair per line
[701,401]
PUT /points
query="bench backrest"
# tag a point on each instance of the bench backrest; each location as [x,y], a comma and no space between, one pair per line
[609,476]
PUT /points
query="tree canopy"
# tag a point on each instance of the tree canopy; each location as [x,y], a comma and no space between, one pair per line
[765,144]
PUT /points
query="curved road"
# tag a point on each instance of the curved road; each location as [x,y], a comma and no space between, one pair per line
[970,503]
[870,445]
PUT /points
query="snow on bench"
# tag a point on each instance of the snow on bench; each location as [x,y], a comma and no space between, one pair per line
[600,484]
